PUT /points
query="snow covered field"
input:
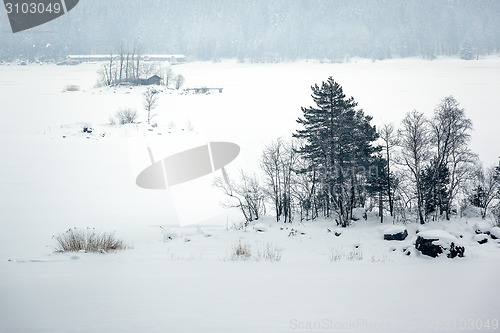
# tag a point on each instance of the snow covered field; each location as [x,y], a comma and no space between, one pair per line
[53,177]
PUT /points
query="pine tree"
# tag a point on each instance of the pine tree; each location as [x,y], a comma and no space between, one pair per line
[477,198]
[338,142]
[435,188]
[380,183]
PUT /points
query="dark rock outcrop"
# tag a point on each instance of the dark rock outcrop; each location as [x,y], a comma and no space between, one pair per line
[435,243]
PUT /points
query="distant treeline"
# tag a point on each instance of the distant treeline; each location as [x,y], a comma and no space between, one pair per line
[265,30]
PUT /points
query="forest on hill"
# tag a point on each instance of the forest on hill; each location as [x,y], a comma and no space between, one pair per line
[263,30]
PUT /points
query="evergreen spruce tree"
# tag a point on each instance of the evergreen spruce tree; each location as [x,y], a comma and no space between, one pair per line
[380,183]
[477,198]
[435,188]
[339,144]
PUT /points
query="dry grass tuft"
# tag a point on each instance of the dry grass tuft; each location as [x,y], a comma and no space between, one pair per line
[241,251]
[88,240]
[269,252]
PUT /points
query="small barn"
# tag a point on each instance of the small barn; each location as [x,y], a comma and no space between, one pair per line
[155,79]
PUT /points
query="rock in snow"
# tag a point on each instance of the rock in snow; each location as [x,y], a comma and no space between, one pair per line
[482,227]
[495,233]
[260,227]
[395,232]
[480,238]
[435,242]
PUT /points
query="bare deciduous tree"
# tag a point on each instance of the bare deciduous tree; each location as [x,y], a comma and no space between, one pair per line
[388,135]
[179,81]
[278,162]
[450,130]
[126,116]
[150,101]
[248,196]
[122,60]
[168,75]
[485,179]
[414,140]
[304,189]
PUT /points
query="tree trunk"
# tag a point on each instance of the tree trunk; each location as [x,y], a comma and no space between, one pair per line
[380,207]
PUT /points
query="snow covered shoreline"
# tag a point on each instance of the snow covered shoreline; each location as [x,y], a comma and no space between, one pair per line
[50,183]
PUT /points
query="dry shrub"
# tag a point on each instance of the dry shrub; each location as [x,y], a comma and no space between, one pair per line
[269,252]
[126,116]
[241,251]
[71,87]
[88,240]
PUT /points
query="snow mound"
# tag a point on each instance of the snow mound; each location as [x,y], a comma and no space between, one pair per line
[471,212]
[395,232]
[440,236]
[168,235]
[433,243]
[260,227]
[480,238]
[358,214]
[394,229]
[495,233]
[482,227]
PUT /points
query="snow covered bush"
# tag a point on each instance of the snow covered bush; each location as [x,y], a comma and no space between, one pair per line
[88,240]
[395,232]
[126,116]
[495,233]
[71,87]
[358,214]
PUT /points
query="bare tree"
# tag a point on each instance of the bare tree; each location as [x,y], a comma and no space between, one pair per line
[485,181]
[278,162]
[388,135]
[108,72]
[169,75]
[150,68]
[450,130]
[122,60]
[304,189]
[414,140]
[179,81]
[137,74]
[247,196]
[126,116]
[150,101]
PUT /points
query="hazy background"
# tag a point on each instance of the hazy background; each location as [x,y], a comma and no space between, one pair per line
[263,30]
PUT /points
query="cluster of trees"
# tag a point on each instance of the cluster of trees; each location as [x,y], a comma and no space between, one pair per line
[338,161]
[127,67]
[266,30]
[129,115]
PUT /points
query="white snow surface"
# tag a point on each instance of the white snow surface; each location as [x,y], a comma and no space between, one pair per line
[54,177]
[440,235]
[482,226]
[394,229]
